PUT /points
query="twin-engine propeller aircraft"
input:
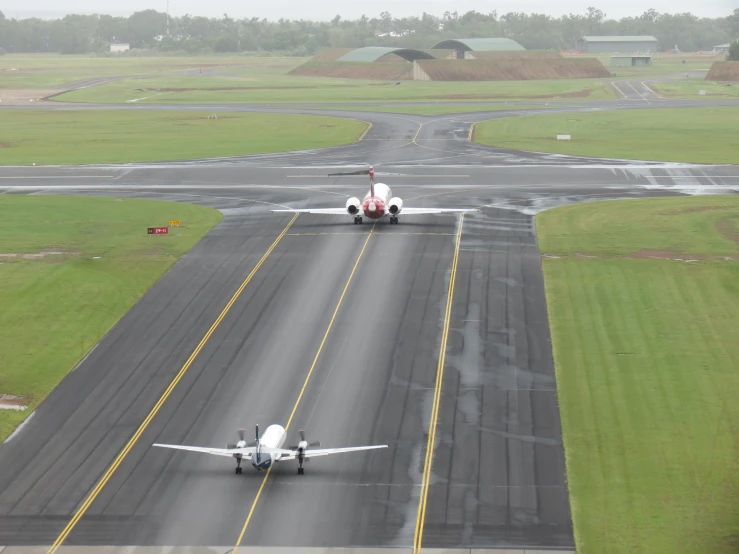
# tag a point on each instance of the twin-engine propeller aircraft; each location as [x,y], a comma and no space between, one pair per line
[265,451]
[377,203]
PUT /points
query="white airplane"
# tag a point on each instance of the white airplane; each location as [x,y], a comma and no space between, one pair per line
[265,451]
[377,203]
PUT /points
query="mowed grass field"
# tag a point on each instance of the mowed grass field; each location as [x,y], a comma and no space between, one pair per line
[698,135]
[118,136]
[246,87]
[647,363]
[98,262]
[690,88]
[51,71]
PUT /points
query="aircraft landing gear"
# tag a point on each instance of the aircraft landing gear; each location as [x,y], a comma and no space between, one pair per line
[238,466]
[238,471]
[357,219]
[301,457]
[393,219]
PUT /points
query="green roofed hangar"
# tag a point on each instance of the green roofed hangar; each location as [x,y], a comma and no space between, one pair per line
[464,45]
[471,59]
[374,53]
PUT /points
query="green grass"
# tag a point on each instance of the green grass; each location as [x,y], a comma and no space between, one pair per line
[117,136]
[698,135]
[49,71]
[261,88]
[646,357]
[690,88]
[56,308]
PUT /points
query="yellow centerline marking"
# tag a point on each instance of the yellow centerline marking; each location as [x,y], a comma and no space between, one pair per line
[639,93]
[132,441]
[618,89]
[421,516]
[305,385]
[367,130]
[417,133]
[650,89]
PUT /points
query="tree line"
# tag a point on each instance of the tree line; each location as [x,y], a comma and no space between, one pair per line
[155,31]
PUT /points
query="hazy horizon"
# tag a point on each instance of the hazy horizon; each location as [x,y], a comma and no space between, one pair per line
[327,9]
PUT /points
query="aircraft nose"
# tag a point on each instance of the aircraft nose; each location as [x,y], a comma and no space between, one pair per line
[372,207]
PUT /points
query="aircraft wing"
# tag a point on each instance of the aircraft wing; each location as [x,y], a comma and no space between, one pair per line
[326,211]
[245,452]
[286,455]
[420,211]
[311,453]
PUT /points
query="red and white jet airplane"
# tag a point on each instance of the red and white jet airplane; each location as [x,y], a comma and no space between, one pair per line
[377,203]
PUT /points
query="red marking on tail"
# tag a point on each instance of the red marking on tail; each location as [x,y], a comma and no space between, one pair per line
[372,181]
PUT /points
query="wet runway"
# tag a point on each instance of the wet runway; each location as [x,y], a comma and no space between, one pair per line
[342,327]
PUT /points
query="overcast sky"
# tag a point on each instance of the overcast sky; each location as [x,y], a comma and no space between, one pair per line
[351,9]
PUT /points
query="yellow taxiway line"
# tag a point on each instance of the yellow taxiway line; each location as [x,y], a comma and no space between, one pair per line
[305,385]
[132,441]
[367,130]
[421,516]
[618,89]
[650,89]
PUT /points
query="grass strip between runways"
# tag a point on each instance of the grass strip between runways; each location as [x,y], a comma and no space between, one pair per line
[695,135]
[643,300]
[70,268]
[118,136]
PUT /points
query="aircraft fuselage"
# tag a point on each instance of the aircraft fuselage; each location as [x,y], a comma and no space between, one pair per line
[273,437]
[375,206]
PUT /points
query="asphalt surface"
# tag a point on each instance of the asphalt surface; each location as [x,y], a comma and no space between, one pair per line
[498,475]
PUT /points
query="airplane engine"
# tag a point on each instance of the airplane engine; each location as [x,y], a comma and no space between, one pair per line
[352,206]
[395,205]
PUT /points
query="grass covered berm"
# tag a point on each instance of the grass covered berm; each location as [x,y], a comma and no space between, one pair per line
[70,267]
[503,69]
[697,135]
[118,136]
[643,300]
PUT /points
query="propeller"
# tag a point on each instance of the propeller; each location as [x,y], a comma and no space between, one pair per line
[302,439]
[241,433]
[303,445]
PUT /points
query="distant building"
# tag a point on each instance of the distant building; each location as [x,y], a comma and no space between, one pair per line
[722,48]
[636,60]
[123,47]
[626,44]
